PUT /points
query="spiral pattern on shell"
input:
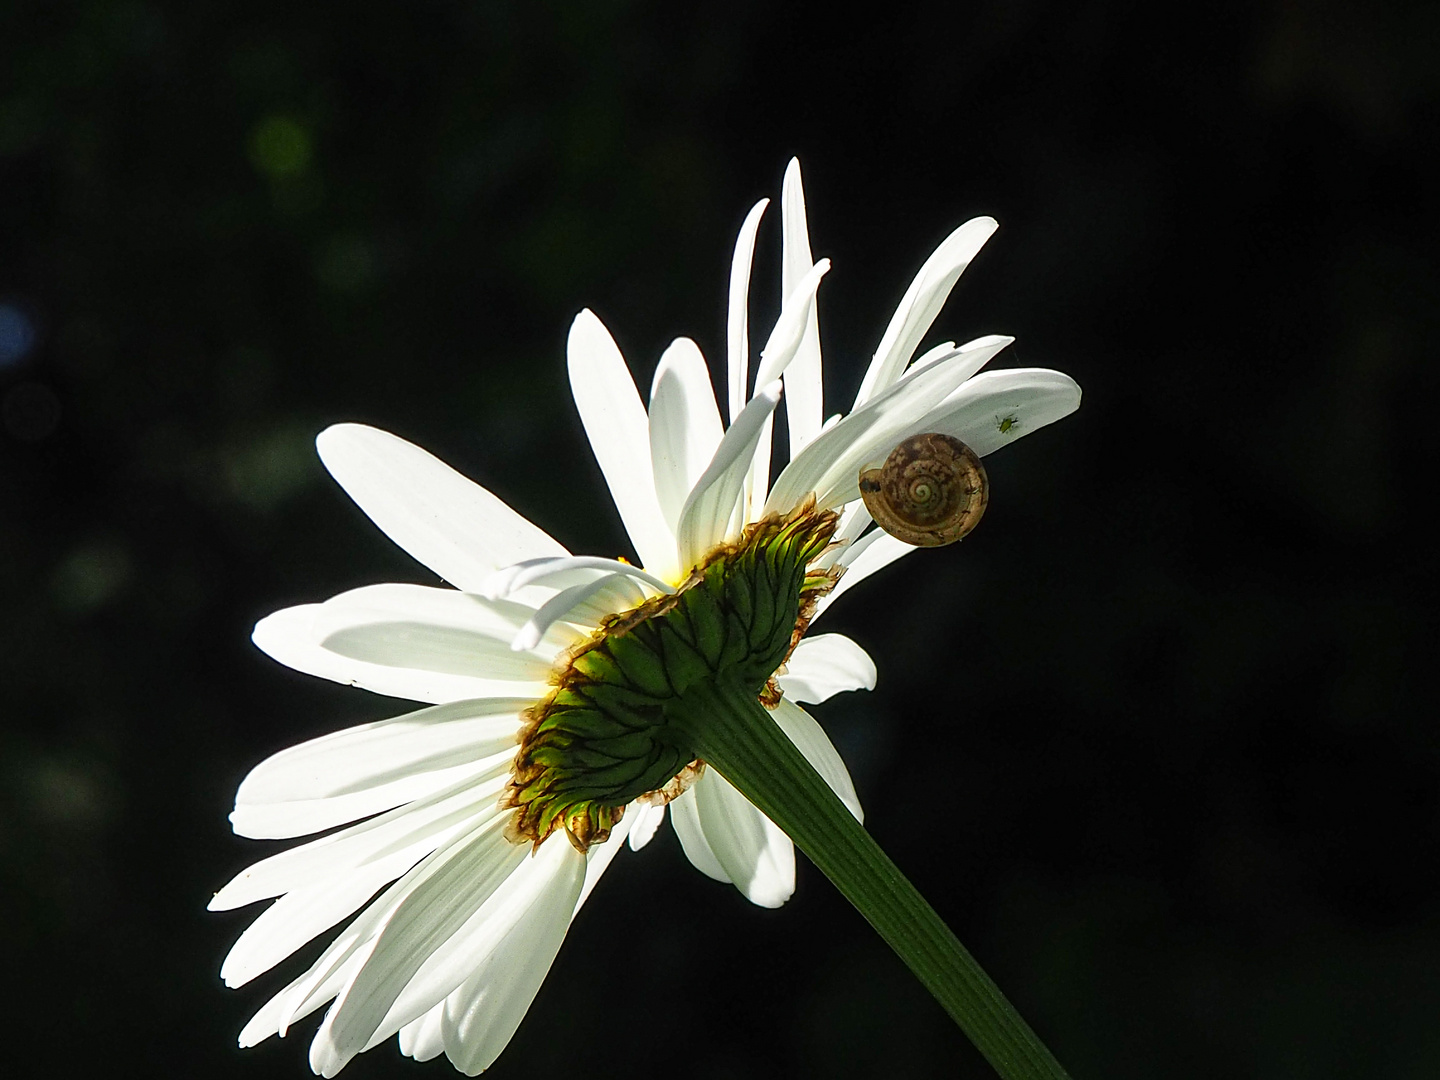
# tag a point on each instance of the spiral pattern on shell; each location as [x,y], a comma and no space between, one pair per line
[931,491]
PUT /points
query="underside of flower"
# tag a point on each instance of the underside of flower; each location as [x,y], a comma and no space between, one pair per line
[603,736]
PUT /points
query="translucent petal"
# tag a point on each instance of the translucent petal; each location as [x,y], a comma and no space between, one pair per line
[737,334]
[1017,400]
[647,820]
[561,573]
[779,351]
[685,817]
[707,513]
[755,854]
[436,630]
[373,767]
[289,636]
[421,1038]
[684,425]
[422,825]
[824,665]
[804,405]
[921,303]
[580,604]
[482,1014]
[830,466]
[450,889]
[446,521]
[874,551]
[618,429]
[812,741]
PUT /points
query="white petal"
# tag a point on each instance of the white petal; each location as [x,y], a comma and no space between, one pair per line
[580,604]
[343,958]
[421,826]
[561,573]
[421,1039]
[824,665]
[812,741]
[435,630]
[482,1014]
[789,332]
[921,303]
[803,392]
[449,523]
[1020,400]
[684,425]
[289,637]
[452,887]
[296,917]
[373,767]
[756,855]
[548,878]
[779,351]
[707,512]
[619,434]
[930,356]
[874,551]
[737,334]
[685,817]
[830,466]
[647,819]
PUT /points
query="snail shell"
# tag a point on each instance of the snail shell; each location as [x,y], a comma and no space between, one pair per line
[931,491]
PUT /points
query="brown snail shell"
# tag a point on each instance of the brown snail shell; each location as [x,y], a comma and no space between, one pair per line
[931,491]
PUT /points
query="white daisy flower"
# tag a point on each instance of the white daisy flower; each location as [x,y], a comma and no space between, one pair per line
[448,851]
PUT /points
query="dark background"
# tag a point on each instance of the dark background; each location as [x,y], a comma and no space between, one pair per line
[1159,741]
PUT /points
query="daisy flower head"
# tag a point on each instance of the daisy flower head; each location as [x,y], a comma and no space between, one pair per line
[468,833]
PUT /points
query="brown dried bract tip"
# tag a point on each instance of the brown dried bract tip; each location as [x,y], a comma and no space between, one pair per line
[931,491]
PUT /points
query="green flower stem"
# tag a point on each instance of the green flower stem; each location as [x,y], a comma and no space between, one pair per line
[735,735]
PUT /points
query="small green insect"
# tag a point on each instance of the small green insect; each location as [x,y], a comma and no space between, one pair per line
[1005,424]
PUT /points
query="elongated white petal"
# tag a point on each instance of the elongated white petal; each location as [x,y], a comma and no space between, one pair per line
[779,351]
[435,630]
[581,604]
[548,878]
[707,512]
[737,333]
[647,820]
[341,961]
[392,602]
[824,665]
[684,425]
[289,636]
[298,916]
[874,551]
[930,356]
[421,1039]
[562,573]
[997,407]
[789,332]
[619,434]
[812,741]
[447,522]
[756,855]
[422,825]
[482,1014]
[451,888]
[804,405]
[685,816]
[830,465]
[369,755]
[921,303]
[373,767]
